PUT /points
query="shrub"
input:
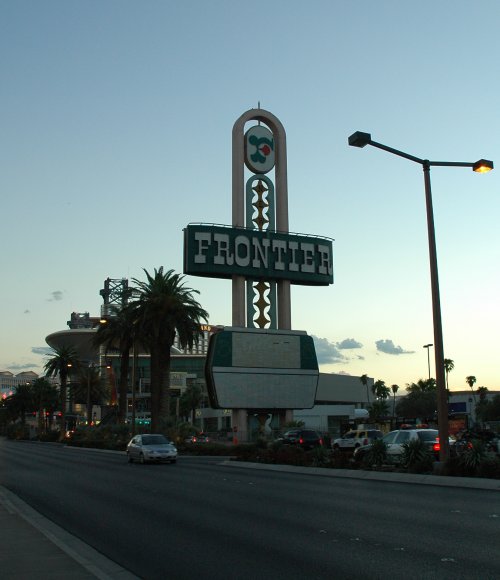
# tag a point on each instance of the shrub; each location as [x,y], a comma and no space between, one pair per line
[320,457]
[113,437]
[416,457]
[473,456]
[50,436]
[377,455]
[17,431]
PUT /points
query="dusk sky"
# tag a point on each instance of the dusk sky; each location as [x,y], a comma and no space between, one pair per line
[116,120]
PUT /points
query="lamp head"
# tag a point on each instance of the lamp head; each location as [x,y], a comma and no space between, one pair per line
[482,166]
[359,139]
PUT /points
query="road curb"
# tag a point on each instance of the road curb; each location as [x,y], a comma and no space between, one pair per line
[394,477]
[89,558]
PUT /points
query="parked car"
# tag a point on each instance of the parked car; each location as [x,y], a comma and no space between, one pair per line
[305,438]
[357,438]
[201,438]
[151,448]
[395,440]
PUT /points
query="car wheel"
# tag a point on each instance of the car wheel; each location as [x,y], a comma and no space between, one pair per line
[336,446]
[129,458]
[141,459]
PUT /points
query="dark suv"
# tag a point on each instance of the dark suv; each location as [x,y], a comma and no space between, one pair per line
[306,438]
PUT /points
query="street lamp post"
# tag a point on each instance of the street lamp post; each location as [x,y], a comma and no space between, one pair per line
[427,346]
[360,139]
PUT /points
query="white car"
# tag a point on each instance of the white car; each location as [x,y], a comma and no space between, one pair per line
[395,440]
[357,438]
[147,448]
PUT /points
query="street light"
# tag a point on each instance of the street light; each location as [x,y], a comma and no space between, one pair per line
[427,346]
[360,139]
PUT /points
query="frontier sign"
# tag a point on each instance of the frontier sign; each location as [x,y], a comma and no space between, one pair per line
[222,252]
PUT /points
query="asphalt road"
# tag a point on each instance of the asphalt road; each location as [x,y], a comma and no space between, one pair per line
[199,519]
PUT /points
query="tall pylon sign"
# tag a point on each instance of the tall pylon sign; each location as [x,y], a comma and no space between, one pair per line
[262,258]
[258,253]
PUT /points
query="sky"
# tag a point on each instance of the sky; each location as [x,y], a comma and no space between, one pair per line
[116,123]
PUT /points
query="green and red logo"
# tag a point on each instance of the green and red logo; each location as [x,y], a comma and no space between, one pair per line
[259,149]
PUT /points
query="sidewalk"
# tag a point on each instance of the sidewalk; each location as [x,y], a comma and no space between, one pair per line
[31,546]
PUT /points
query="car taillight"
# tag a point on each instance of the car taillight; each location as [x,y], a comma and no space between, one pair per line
[320,441]
[301,440]
[436,446]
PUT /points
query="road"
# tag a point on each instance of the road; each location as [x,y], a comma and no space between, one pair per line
[201,519]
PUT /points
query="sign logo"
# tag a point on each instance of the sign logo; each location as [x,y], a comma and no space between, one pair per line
[259,149]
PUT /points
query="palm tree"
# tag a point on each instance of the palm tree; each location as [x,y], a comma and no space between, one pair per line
[118,331]
[63,358]
[422,386]
[163,307]
[20,403]
[378,409]
[380,389]
[449,365]
[394,389]
[364,381]
[190,400]
[44,396]
[90,389]
[470,380]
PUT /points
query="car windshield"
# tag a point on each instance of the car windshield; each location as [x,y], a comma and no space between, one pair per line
[429,435]
[349,435]
[154,440]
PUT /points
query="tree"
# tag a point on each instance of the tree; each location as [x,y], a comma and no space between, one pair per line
[364,381]
[45,397]
[422,386]
[380,390]
[482,406]
[164,306]
[20,403]
[417,404]
[378,410]
[90,389]
[118,331]
[491,409]
[394,389]
[449,365]
[190,400]
[61,361]
[470,380]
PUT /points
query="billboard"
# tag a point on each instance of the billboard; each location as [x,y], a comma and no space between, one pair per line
[253,368]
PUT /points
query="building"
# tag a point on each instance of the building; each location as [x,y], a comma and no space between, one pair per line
[9,381]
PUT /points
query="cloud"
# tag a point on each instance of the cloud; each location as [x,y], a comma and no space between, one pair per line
[348,343]
[55,296]
[327,352]
[389,347]
[22,367]
[41,350]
